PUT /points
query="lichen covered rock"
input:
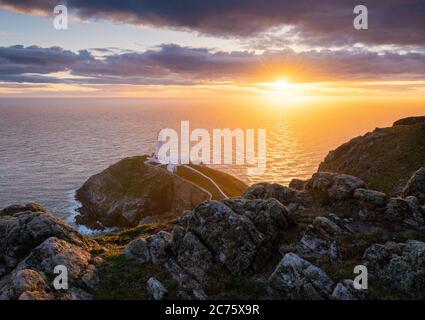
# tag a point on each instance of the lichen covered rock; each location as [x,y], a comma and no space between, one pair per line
[416,186]
[155,289]
[400,266]
[32,244]
[296,278]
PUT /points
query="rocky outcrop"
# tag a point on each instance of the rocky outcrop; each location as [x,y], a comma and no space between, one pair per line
[409,121]
[154,249]
[32,244]
[288,196]
[345,290]
[240,233]
[297,184]
[189,288]
[334,186]
[246,237]
[270,190]
[132,192]
[236,235]
[416,186]
[155,289]
[295,278]
[371,197]
[192,255]
[319,240]
[407,211]
[401,266]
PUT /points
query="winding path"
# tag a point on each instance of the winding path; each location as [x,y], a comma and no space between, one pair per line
[208,178]
[156,164]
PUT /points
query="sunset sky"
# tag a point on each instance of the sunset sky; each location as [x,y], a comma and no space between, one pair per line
[276,49]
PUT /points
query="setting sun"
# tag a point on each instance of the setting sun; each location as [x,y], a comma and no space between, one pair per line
[281,92]
[280,85]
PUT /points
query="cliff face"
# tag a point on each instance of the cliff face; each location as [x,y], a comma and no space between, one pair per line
[131,192]
[385,158]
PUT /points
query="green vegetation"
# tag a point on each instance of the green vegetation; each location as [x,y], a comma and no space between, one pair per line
[405,157]
[385,159]
[122,278]
[126,279]
[241,288]
[124,237]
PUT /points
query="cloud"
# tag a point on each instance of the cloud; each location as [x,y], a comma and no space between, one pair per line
[171,64]
[400,22]
[30,64]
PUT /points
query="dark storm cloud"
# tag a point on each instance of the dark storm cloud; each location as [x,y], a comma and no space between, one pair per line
[172,64]
[326,22]
[29,64]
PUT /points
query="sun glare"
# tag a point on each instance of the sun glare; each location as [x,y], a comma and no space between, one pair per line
[280,85]
[281,92]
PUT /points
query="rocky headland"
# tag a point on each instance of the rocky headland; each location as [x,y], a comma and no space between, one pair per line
[133,192]
[385,158]
[270,241]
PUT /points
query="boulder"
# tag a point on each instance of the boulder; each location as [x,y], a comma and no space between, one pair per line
[371,197]
[25,284]
[297,184]
[81,266]
[154,249]
[239,232]
[32,243]
[345,290]
[296,278]
[416,186]
[155,289]
[320,181]
[269,216]
[235,235]
[417,213]
[406,210]
[189,289]
[344,186]
[138,249]
[289,197]
[319,240]
[24,227]
[232,237]
[334,186]
[270,190]
[193,256]
[399,266]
